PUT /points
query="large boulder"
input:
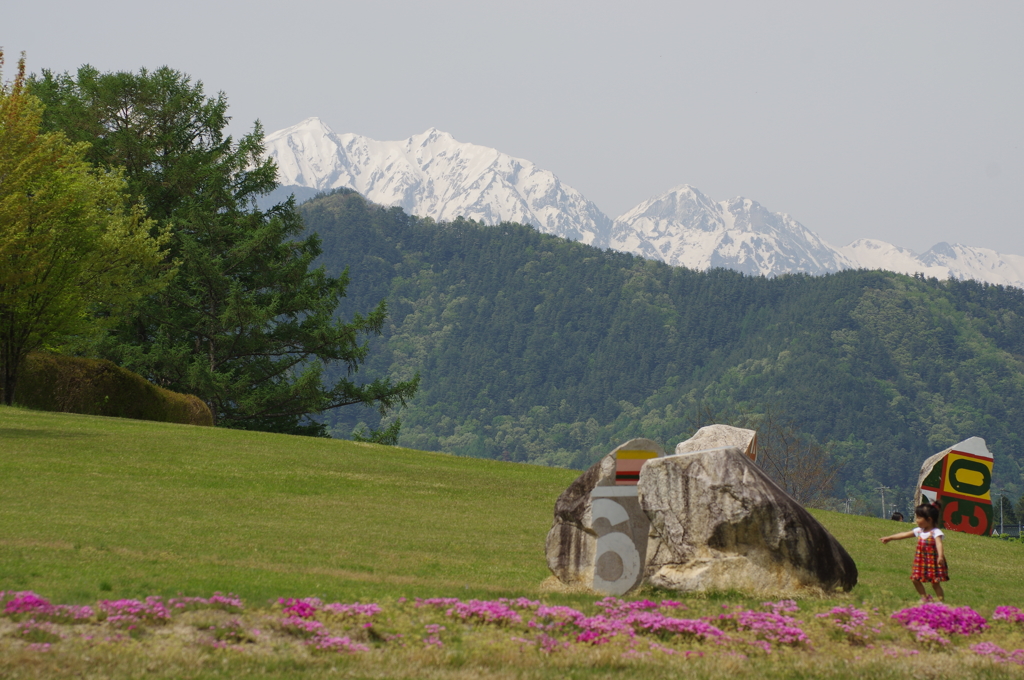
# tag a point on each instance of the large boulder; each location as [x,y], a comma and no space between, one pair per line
[718,522]
[599,536]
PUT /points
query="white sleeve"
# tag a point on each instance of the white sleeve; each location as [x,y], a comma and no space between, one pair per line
[917,532]
[937,533]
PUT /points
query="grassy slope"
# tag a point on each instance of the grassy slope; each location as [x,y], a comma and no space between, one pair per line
[96,507]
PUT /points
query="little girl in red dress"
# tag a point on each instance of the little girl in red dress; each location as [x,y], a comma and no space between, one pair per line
[929,558]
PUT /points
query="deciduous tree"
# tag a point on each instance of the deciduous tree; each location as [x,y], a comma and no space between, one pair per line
[73,254]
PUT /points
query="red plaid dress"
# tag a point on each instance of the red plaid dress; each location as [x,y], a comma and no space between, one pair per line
[926,558]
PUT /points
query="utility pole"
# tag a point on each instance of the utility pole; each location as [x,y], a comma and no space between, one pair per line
[883,489]
[1000,513]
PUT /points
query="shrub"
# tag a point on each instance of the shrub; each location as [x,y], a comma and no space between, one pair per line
[51,382]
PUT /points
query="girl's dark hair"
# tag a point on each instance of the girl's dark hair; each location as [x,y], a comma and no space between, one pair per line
[929,511]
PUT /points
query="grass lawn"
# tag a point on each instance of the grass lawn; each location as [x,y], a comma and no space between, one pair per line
[104,507]
[98,508]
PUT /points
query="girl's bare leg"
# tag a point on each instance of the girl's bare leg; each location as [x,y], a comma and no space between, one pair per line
[920,590]
[939,593]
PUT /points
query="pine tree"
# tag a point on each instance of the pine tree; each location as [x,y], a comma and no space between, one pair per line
[246,324]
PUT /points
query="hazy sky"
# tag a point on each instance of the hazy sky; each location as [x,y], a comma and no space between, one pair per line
[895,120]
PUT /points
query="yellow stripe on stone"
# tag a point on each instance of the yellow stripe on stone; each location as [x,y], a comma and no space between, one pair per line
[636,455]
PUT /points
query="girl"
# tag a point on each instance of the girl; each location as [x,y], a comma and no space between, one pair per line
[929,559]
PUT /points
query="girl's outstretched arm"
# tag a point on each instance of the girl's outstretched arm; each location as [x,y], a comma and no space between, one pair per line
[897,537]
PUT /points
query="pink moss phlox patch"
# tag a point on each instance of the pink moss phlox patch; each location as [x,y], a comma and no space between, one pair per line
[439,602]
[926,634]
[352,610]
[556,613]
[768,628]
[853,622]
[484,611]
[781,607]
[304,608]
[615,607]
[301,627]
[658,623]
[520,602]
[132,613]
[598,630]
[1008,613]
[940,617]
[28,603]
[998,654]
[433,641]
[330,643]
[897,652]
[38,632]
[229,603]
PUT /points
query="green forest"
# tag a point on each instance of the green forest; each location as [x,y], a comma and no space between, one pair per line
[536,349]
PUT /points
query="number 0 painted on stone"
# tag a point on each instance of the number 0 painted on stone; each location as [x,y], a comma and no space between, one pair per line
[962,472]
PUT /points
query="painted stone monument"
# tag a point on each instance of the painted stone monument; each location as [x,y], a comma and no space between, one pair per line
[599,537]
[705,518]
[960,478]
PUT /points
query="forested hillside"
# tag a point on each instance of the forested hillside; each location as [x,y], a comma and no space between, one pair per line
[533,348]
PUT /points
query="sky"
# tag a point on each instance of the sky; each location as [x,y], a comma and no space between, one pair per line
[898,121]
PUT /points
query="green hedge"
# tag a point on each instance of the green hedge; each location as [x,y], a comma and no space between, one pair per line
[50,382]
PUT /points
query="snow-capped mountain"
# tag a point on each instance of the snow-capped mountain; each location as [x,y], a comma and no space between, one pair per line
[434,175]
[685,227]
[943,261]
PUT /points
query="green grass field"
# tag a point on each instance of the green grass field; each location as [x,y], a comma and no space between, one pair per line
[98,508]
[108,507]
[103,507]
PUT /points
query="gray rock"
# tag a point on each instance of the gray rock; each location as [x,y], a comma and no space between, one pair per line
[719,437]
[718,522]
[603,547]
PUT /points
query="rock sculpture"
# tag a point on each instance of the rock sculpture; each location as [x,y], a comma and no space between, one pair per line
[705,518]
[599,536]
[718,522]
[960,477]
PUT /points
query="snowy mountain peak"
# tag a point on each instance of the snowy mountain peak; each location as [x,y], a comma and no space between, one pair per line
[432,174]
[685,227]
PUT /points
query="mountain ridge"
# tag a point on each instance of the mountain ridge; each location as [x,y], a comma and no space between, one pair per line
[434,175]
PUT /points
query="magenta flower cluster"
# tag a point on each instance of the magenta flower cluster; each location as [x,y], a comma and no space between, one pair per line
[1006,613]
[998,654]
[928,620]
[300,621]
[485,612]
[334,644]
[28,604]
[352,610]
[854,623]
[768,627]
[130,614]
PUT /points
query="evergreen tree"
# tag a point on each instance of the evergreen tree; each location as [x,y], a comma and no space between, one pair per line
[246,325]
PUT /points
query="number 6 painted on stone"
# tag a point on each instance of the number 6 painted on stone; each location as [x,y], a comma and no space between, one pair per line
[611,575]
